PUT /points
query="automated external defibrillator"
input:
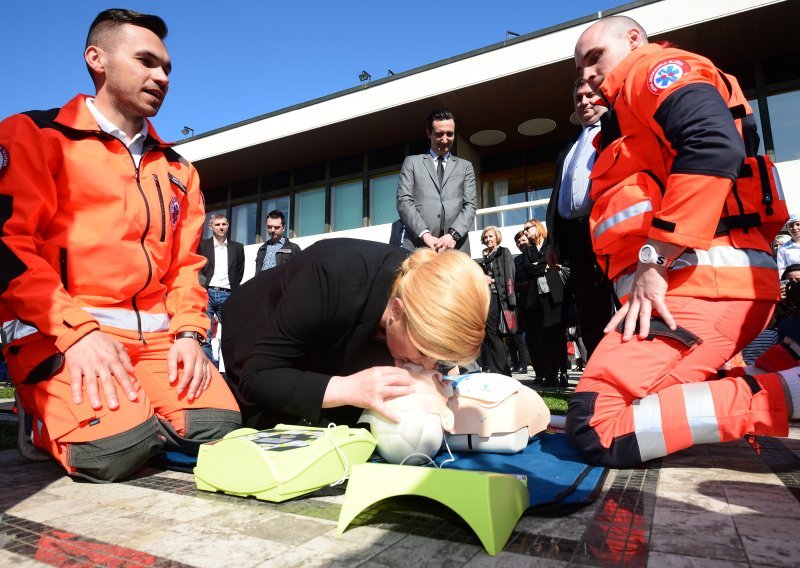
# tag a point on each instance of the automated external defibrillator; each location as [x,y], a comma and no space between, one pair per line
[478,412]
[475,412]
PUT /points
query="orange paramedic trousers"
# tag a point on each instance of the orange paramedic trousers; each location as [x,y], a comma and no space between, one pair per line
[644,399]
[70,432]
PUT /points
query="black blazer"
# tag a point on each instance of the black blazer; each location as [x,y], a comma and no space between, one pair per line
[285,254]
[235,262]
[290,329]
[554,220]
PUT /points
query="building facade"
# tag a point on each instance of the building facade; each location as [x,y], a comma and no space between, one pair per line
[332,164]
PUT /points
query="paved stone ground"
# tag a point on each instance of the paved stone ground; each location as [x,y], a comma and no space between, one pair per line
[719,505]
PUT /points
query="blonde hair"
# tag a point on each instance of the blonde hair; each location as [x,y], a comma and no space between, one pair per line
[541,232]
[498,235]
[445,304]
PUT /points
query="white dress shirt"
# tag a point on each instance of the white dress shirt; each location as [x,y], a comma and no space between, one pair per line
[220,278]
[573,197]
[134,145]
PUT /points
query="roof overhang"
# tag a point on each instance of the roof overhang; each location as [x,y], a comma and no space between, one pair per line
[497,87]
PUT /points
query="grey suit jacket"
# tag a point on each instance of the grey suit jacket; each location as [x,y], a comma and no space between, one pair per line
[422,204]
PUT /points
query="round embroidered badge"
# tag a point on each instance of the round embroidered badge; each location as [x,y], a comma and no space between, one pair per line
[665,73]
[4,160]
[174,211]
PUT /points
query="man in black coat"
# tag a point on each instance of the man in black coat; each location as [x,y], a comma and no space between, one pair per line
[277,249]
[225,267]
[568,222]
[222,273]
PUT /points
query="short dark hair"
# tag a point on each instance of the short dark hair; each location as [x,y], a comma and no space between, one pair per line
[579,82]
[115,17]
[276,214]
[439,115]
[789,269]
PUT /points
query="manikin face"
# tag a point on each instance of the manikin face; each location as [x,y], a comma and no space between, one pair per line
[275,229]
[219,227]
[442,136]
[599,49]
[135,65]
[587,112]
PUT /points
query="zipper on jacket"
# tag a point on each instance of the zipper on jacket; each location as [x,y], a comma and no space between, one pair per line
[144,233]
[144,250]
[163,211]
[62,265]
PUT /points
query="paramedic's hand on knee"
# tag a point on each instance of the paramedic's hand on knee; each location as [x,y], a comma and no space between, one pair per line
[98,361]
[648,293]
[186,358]
[370,389]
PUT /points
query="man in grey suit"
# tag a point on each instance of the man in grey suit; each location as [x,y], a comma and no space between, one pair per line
[436,196]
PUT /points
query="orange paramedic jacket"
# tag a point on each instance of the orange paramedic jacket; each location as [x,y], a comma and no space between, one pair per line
[86,237]
[669,151]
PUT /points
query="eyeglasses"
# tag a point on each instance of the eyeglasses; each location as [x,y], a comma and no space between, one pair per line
[528,228]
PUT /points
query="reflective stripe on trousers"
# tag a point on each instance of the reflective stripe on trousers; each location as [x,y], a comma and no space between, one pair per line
[699,409]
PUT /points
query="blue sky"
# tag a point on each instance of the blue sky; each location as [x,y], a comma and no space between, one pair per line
[255,57]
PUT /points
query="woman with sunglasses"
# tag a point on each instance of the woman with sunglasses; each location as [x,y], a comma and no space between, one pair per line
[327,334]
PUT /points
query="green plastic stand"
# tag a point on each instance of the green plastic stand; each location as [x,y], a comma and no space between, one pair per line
[490,503]
[281,463]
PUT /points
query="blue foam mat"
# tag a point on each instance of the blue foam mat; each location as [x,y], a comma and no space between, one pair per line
[559,482]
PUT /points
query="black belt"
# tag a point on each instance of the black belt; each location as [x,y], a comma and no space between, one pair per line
[218,289]
[582,220]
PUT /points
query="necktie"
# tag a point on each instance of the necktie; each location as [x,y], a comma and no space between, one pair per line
[440,170]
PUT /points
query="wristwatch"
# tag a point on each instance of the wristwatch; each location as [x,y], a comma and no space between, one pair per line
[649,255]
[191,335]
[455,234]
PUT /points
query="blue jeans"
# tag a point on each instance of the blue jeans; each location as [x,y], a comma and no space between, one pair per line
[215,300]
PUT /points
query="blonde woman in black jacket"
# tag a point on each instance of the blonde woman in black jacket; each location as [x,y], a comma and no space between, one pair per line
[498,265]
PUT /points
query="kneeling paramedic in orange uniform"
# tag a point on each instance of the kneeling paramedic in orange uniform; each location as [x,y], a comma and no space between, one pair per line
[683,215]
[99,286]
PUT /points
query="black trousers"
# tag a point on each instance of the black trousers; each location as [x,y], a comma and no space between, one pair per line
[494,356]
[590,288]
[547,347]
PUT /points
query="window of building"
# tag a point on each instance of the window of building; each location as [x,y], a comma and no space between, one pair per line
[347,205]
[757,116]
[516,186]
[310,212]
[244,226]
[207,234]
[280,203]
[785,123]
[383,199]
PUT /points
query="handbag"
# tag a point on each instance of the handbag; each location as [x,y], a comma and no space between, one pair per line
[507,323]
[542,285]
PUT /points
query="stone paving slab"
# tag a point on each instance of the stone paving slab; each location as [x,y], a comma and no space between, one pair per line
[708,506]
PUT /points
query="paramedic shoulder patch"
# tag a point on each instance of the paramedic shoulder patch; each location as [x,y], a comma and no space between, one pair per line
[174,212]
[665,73]
[4,160]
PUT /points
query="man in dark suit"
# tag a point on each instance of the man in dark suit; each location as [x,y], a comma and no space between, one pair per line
[225,267]
[277,249]
[568,222]
[436,196]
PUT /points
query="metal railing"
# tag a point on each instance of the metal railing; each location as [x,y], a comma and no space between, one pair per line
[534,209]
